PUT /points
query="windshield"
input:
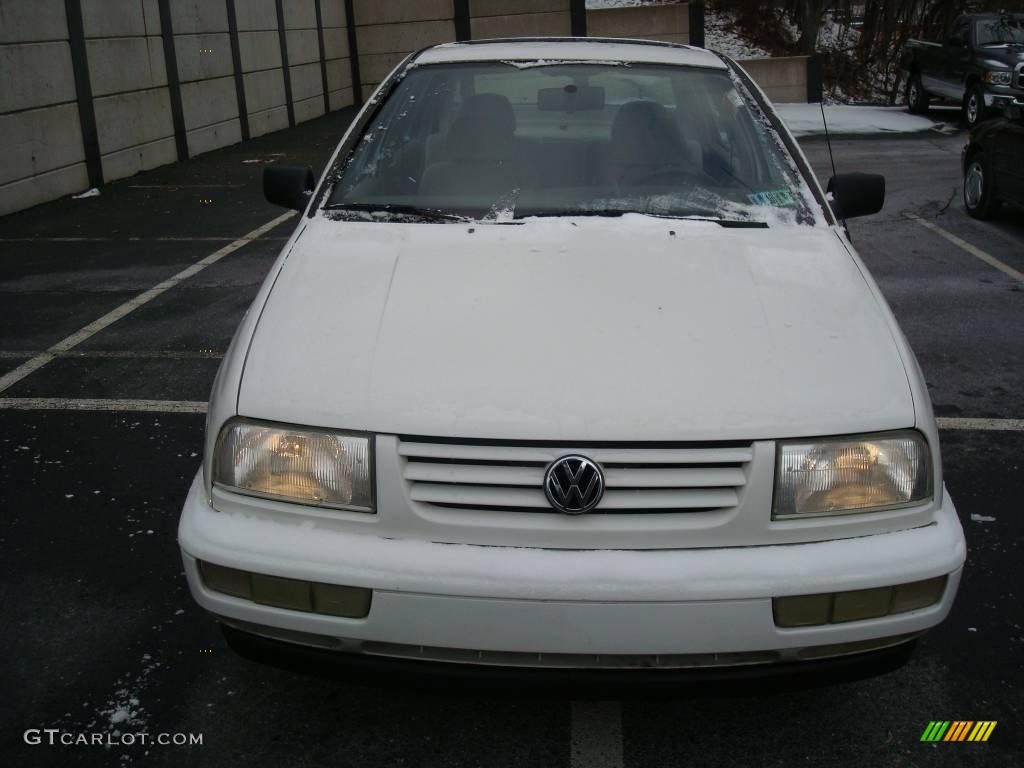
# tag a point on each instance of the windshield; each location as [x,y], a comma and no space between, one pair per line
[1008,29]
[504,141]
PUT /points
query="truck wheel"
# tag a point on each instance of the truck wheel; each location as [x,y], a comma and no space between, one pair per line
[978,198]
[917,97]
[974,106]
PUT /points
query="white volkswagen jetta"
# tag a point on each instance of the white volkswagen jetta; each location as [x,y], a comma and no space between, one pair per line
[570,364]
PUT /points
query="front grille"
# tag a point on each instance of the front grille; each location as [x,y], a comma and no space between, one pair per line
[639,478]
[1019,77]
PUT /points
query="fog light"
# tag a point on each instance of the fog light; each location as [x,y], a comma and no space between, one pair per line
[282,593]
[861,604]
[802,610]
[333,600]
[293,594]
[918,594]
[227,580]
[857,604]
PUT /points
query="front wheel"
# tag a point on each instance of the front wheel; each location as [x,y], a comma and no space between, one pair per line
[974,106]
[978,198]
[917,98]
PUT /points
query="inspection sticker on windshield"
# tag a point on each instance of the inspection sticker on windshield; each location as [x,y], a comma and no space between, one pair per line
[780,198]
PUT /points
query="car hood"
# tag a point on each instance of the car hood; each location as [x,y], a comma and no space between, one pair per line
[629,328]
[1004,53]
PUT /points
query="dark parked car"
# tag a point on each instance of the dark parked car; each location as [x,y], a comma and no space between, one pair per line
[979,64]
[993,163]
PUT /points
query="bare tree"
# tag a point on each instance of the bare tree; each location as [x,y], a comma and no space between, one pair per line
[869,64]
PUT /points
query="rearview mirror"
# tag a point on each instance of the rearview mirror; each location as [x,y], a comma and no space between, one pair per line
[856,194]
[289,186]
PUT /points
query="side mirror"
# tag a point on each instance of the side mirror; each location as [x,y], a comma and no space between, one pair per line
[289,186]
[856,194]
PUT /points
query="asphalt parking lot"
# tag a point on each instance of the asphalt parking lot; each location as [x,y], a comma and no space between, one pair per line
[99,631]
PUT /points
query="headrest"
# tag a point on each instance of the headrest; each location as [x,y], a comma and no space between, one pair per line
[644,133]
[484,128]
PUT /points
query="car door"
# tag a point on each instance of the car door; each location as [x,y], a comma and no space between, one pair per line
[956,55]
[1010,159]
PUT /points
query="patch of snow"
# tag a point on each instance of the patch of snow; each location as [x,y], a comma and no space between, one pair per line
[805,119]
[88,193]
[597,5]
[721,35]
[558,62]
[982,519]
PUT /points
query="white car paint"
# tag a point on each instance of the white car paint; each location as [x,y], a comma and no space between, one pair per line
[539,331]
[634,329]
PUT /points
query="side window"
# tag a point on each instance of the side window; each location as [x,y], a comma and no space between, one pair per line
[959,35]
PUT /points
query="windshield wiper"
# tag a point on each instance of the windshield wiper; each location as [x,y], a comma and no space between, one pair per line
[615,212]
[425,214]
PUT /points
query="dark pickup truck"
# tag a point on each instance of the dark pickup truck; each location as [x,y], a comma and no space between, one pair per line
[979,65]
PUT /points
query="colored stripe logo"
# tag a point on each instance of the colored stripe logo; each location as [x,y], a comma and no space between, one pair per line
[958,730]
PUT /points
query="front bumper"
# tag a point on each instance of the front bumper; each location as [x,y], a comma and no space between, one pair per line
[479,604]
[1000,96]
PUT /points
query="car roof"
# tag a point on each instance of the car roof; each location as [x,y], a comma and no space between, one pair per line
[597,49]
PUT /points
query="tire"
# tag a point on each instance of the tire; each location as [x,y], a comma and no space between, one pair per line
[975,110]
[917,97]
[979,199]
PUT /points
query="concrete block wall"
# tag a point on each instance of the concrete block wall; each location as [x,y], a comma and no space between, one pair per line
[389,30]
[669,23]
[519,18]
[302,40]
[122,111]
[784,80]
[202,53]
[259,47]
[43,155]
[340,92]
[125,53]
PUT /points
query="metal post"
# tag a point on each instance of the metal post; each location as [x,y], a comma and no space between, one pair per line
[697,23]
[83,90]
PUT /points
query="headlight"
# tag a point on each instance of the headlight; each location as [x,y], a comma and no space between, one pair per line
[853,474]
[311,466]
[998,78]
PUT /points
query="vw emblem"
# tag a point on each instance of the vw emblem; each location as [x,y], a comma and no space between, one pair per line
[574,484]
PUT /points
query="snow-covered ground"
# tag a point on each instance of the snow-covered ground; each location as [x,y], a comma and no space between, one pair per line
[720,36]
[598,4]
[805,119]
[718,29]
